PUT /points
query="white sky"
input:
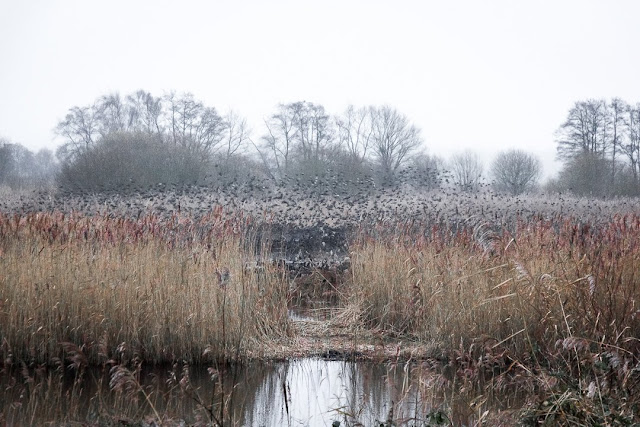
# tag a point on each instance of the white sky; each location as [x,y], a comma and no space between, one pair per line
[483,75]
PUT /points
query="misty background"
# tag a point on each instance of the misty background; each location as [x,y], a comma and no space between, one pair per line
[475,81]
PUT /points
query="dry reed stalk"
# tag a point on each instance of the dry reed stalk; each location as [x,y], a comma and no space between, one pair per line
[552,307]
[552,280]
[161,291]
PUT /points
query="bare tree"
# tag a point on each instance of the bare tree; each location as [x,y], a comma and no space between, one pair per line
[595,128]
[79,129]
[515,171]
[24,165]
[235,135]
[393,139]
[110,114]
[467,170]
[617,109]
[587,175]
[313,133]
[19,167]
[355,131]
[278,142]
[83,126]
[145,113]
[631,144]
[45,167]
[585,130]
[192,125]
[299,134]
[6,159]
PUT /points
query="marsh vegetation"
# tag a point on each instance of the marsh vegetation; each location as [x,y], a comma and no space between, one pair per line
[479,295]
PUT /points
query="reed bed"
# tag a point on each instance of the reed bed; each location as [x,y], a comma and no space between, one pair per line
[96,288]
[552,280]
[552,307]
[544,303]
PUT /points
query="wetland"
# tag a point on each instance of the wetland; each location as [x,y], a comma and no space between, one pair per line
[395,307]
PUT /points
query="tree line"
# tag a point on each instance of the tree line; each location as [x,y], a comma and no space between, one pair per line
[140,141]
[599,144]
[21,168]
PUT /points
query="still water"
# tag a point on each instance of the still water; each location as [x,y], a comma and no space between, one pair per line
[298,392]
[318,392]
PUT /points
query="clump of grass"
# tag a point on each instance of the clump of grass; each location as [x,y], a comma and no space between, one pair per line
[547,281]
[158,290]
[553,306]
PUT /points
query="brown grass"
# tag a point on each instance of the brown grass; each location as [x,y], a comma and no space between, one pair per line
[543,283]
[552,307]
[118,288]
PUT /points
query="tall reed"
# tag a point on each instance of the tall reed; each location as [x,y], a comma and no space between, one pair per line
[551,309]
[158,290]
[548,281]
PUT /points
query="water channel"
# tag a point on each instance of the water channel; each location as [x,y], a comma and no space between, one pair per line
[328,390]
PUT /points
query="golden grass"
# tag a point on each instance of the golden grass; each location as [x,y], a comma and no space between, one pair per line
[546,282]
[553,304]
[550,311]
[100,288]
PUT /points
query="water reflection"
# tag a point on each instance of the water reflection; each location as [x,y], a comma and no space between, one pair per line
[297,392]
[317,392]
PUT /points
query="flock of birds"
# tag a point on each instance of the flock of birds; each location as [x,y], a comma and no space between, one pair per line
[329,208]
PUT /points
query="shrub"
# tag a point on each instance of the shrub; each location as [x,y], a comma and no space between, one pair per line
[130,161]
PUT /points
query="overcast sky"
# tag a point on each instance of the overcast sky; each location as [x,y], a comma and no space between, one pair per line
[483,75]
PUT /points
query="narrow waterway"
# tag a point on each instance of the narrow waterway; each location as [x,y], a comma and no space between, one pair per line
[298,392]
[331,389]
[318,392]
